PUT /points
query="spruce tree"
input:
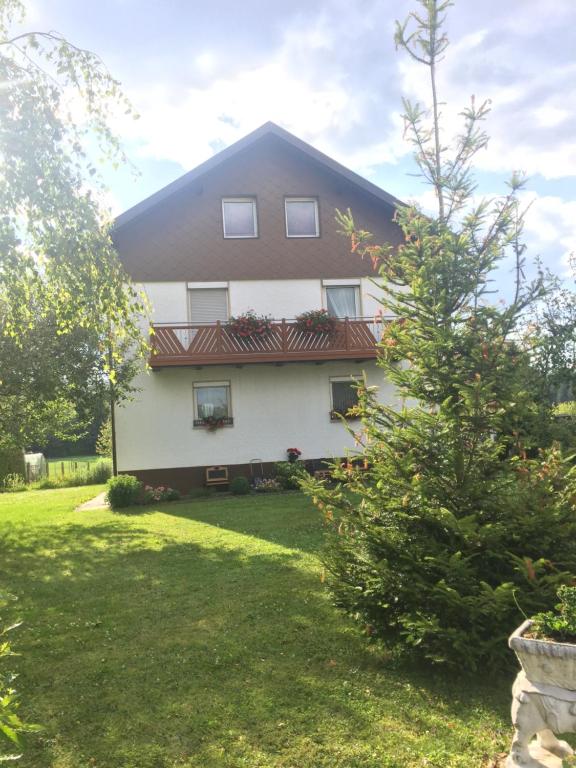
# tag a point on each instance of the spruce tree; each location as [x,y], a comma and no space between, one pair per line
[450,528]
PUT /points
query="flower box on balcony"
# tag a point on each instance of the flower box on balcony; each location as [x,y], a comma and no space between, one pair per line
[249,325]
[316,321]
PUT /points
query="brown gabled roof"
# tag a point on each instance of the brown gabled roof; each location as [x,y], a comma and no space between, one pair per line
[267,129]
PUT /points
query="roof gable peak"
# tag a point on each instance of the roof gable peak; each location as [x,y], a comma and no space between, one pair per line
[266,129]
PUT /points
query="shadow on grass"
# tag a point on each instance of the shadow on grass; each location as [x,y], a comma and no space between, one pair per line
[142,652]
[288,519]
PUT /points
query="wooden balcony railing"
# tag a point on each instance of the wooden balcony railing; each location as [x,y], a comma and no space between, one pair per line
[215,344]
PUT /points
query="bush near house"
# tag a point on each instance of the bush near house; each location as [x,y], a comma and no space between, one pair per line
[239,486]
[289,474]
[124,491]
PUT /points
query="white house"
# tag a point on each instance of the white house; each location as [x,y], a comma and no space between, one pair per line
[254,229]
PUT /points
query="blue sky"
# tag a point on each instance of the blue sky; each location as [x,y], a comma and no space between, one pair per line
[203,74]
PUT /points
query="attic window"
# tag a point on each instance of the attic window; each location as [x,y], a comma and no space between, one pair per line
[302,217]
[239,217]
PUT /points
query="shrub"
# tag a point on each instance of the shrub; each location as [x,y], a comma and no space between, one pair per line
[559,626]
[123,491]
[12,462]
[14,482]
[239,486]
[289,474]
[98,472]
[316,321]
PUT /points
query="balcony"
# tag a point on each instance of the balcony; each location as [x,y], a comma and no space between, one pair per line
[186,344]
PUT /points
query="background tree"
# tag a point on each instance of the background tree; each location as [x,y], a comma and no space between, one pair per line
[54,385]
[451,526]
[104,441]
[549,336]
[58,268]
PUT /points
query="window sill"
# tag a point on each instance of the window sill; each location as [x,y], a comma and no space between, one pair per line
[219,424]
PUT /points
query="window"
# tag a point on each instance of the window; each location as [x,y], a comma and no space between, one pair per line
[342,300]
[301,217]
[344,395]
[207,305]
[212,404]
[239,217]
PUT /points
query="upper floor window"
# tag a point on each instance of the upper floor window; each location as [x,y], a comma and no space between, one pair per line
[302,217]
[239,217]
[207,305]
[343,300]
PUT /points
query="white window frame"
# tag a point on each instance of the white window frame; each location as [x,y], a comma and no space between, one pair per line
[357,295]
[254,216]
[203,384]
[351,379]
[314,200]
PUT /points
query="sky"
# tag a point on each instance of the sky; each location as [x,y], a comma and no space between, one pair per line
[203,74]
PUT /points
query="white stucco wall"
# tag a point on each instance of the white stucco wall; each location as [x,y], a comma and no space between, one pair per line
[168,302]
[277,298]
[274,407]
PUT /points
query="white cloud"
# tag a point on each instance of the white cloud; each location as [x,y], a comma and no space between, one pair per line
[335,81]
[551,229]
[296,87]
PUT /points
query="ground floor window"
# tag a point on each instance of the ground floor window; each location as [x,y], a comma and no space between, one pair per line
[212,404]
[344,396]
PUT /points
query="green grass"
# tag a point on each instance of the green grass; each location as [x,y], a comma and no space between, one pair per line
[199,635]
[70,464]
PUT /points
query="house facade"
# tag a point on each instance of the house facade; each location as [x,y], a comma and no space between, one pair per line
[252,229]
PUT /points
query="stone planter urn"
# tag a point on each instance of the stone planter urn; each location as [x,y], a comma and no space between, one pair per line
[544,700]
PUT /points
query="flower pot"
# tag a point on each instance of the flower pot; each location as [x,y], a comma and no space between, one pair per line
[543,700]
[545,661]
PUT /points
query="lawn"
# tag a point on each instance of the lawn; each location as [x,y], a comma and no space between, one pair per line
[200,635]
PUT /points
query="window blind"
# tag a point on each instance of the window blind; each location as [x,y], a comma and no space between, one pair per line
[207,305]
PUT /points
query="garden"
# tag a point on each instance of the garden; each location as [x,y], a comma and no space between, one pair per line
[200,634]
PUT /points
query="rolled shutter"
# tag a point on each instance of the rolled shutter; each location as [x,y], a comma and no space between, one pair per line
[207,305]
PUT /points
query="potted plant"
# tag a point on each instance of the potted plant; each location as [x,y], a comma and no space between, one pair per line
[293,454]
[316,321]
[544,693]
[249,325]
[546,643]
